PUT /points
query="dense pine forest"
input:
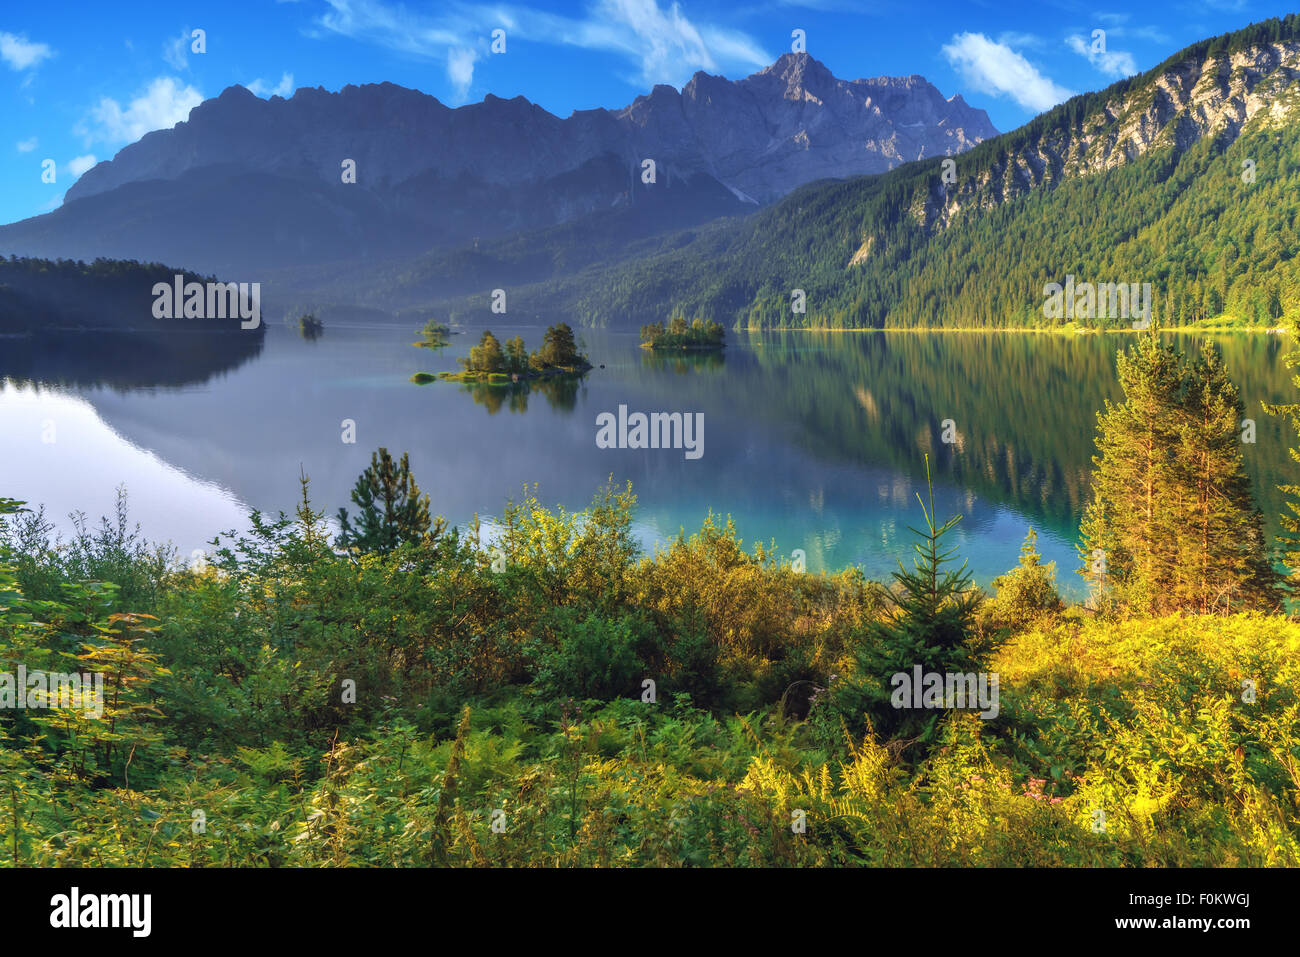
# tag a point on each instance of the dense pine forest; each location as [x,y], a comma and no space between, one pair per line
[542,693]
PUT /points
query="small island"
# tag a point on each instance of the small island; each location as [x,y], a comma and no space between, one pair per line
[490,363]
[309,327]
[436,335]
[700,334]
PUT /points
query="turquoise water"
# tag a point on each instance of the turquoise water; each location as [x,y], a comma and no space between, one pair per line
[814,442]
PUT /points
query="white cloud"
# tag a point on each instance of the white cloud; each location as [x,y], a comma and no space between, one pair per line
[1114,63]
[162,105]
[20,53]
[997,69]
[80,164]
[1012,38]
[460,69]
[27,145]
[176,52]
[283,88]
[661,42]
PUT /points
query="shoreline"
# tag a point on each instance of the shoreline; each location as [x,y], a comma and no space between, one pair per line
[500,378]
[1266,330]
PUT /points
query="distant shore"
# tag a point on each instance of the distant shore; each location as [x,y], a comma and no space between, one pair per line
[1269,330]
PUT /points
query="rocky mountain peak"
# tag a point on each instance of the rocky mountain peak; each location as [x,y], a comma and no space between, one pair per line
[761,136]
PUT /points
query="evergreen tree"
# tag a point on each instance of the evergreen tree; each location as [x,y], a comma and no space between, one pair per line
[931,626]
[1172,525]
[1223,552]
[558,347]
[392,509]
[1128,543]
[516,355]
[1028,591]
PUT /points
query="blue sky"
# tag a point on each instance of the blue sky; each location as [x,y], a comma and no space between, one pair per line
[80,81]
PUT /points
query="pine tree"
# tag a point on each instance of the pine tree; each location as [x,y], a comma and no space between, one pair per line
[516,355]
[486,356]
[558,347]
[1028,590]
[1223,551]
[1172,525]
[1129,548]
[932,624]
[392,509]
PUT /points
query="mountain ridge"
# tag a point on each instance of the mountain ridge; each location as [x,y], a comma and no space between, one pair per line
[692,114]
[1133,182]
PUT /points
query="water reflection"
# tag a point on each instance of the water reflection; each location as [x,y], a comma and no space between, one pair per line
[816,441]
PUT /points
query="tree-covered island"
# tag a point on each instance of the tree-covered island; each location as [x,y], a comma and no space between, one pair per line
[699,334]
[491,363]
[436,335]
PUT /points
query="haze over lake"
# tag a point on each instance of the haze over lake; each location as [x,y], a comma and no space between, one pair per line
[813,440]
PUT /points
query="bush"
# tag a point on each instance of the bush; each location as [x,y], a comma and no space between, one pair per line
[594,657]
[1025,594]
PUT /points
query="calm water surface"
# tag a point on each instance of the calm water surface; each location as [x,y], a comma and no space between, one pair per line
[815,441]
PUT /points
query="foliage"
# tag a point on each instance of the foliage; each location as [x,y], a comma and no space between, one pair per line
[931,624]
[1027,593]
[481,702]
[1172,524]
[486,356]
[392,509]
[700,334]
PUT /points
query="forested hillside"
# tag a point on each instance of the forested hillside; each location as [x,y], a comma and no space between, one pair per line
[1185,178]
[79,323]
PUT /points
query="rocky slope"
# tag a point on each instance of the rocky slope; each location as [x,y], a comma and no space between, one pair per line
[249,184]
[1185,100]
[762,136]
[1184,178]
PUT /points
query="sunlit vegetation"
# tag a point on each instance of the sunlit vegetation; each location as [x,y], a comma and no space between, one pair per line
[489,363]
[699,334]
[397,691]
[435,334]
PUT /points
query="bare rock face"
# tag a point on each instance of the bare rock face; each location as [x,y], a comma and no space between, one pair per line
[794,122]
[760,137]
[1195,98]
[246,185]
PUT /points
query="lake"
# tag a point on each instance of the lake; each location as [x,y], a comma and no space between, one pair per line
[815,441]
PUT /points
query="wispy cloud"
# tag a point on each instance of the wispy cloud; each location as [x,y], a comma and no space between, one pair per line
[27,145]
[660,42]
[263,89]
[1152,34]
[460,69]
[997,69]
[1014,39]
[163,104]
[176,52]
[20,54]
[1116,63]
[80,164]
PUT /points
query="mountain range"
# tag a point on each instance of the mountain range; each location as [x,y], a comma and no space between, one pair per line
[873,203]
[247,185]
[1184,178]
